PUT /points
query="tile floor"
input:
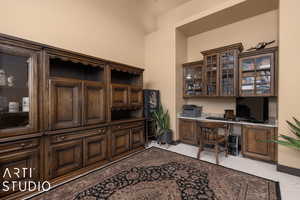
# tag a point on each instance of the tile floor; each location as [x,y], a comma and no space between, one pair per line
[289,185]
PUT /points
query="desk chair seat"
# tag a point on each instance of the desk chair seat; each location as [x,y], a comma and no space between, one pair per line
[209,134]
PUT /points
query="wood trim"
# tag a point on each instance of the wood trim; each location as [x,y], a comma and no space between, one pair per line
[238,46]
[288,170]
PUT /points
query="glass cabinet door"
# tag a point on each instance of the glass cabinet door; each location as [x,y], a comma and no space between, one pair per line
[18,91]
[227,71]
[248,76]
[212,75]
[193,81]
[263,75]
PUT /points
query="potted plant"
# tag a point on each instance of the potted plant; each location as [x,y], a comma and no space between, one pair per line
[290,141]
[162,120]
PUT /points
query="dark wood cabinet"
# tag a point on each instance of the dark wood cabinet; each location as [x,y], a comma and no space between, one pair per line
[18,89]
[64,113]
[94,103]
[119,95]
[188,131]
[254,145]
[65,157]
[136,96]
[137,137]
[194,79]
[120,142]
[258,73]
[18,155]
[65,103]
[95,149]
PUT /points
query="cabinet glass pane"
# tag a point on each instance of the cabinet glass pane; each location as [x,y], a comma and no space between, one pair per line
[263,75]
[227,73]
[193,79]
[14,92]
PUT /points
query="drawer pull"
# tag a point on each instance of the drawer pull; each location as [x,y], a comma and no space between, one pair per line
[23,145]
[62,137]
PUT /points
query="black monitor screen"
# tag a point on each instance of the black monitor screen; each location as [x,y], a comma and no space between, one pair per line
[253,108]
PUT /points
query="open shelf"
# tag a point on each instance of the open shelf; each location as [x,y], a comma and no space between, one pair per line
[69,69]
[120,115]
[119,77]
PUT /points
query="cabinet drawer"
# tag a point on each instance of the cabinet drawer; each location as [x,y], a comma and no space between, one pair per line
[19,145]
[127,125]
[77,135]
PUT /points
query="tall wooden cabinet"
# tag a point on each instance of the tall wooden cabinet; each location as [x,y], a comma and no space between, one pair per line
[64,113]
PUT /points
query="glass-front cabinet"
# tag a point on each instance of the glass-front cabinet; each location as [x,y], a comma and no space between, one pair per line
[212,73]
[228,73]
[18,91]
[193,79]
[257,73]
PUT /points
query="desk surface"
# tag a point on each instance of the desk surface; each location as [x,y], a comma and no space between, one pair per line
[270,125]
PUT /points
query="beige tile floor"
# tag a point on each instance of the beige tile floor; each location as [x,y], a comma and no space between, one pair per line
[289,185]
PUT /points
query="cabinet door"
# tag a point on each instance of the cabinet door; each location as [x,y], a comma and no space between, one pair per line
[253,145]
[18,91]
[119,95]
[65,103]
[120,142]
[95,149]
[188,131]
[19,160]
[93,103]
[136,96]
[65,157]
[137,137]
[212,74]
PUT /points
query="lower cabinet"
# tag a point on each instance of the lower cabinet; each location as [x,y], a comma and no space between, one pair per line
[188,131]
[73,151]
[126,137]
[253,145]
[24,154]
[120,142]
[65,157]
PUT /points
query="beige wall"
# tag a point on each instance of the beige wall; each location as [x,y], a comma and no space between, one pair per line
[289,86]
[245,31]
[106,29]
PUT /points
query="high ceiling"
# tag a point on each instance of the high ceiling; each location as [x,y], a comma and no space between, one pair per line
[151,9]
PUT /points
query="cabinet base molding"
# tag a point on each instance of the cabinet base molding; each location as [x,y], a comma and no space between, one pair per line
[288,170]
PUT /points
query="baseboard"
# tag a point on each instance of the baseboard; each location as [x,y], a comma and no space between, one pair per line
[288,170]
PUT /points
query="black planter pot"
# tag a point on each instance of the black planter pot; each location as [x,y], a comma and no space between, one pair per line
[165,138]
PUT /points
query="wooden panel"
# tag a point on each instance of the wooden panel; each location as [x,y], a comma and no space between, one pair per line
[65,105]
[94,103]
[65,157]
[95,149]
[21,159]
[253,145]
[119,95]
[120,142]
[136,96]
[137,137]
[188,131]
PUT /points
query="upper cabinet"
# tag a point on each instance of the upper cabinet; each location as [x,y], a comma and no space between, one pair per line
[193,79]
[76,87]
[216,76]
[258,73]
[18,88]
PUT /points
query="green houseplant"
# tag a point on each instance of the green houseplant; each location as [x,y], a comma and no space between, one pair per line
[292,142]
[162,120]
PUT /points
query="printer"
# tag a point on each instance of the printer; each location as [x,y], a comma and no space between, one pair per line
[191,111]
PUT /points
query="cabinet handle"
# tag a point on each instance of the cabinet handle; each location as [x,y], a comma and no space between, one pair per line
[23,145]
[62,137]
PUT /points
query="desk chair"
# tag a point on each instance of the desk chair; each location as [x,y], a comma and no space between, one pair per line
[209,134]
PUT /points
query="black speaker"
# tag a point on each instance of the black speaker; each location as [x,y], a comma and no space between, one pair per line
[151,102]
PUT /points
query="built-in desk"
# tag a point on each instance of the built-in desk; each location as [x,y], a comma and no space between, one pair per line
[252,134]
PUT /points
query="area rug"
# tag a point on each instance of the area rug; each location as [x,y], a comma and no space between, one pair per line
[157,174]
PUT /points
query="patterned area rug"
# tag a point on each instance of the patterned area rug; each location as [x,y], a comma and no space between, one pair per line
[157,174]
